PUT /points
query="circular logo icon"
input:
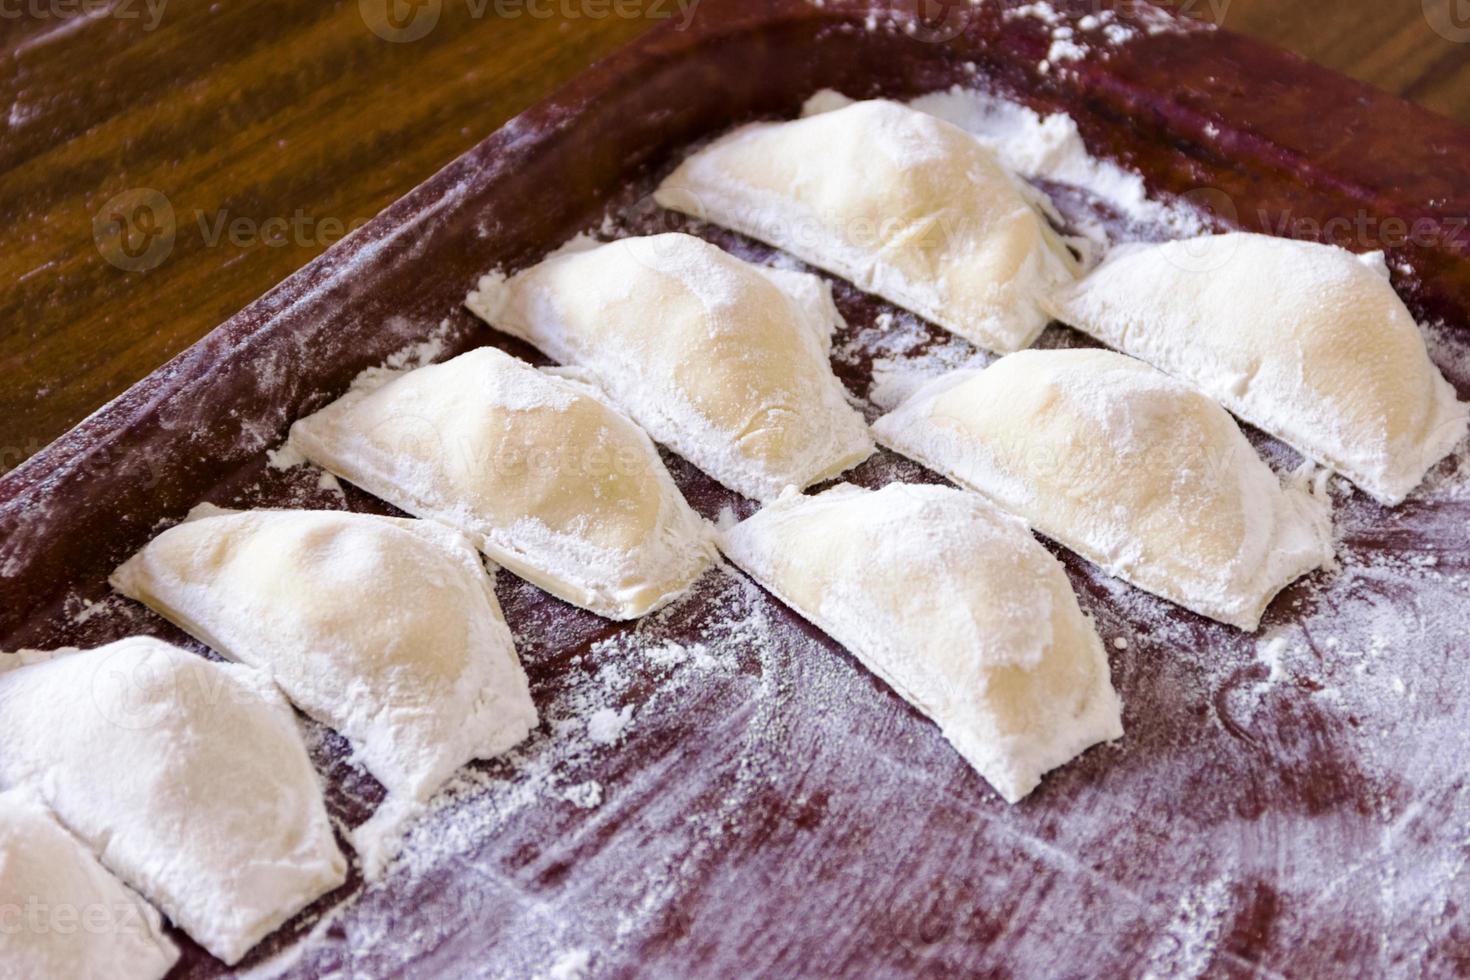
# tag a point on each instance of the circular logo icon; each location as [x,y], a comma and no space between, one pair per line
[400,21]
[654,245]
[133,692]
[1207,253]
[933,21]
[1450,19]
[135,231]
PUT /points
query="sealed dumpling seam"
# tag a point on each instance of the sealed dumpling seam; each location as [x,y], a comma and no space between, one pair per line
[903,204]
[188,778]
[955,606]
[722,361]
[386,630]
[77,920]
[1308,342]
[1135,471]
[546,477]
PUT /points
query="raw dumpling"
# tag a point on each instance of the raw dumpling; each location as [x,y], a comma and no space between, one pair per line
[548,479]
[722,361]
[77,922]
[1308,342]
[187,778]
[1128,467]
[956,607]
[386,630]
[901,203]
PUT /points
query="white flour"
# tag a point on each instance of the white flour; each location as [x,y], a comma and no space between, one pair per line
[1356,674]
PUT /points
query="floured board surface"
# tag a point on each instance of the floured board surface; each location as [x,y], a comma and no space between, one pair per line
[720,791]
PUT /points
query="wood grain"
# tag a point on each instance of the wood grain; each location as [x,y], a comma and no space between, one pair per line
[1393,46]
[785,813]
[271,127]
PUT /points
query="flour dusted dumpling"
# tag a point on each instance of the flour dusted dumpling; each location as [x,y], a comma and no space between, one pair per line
[187,778]
[77,922]
[1133,470]
[901,203]
[956,607]
[549,480]
[723,361]
[1308,342]
[386,630]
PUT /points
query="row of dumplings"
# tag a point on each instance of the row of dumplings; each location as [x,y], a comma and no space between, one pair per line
[388,631]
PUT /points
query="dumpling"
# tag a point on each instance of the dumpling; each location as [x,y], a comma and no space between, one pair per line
[77,921]
[1308,342]
[187,778]
[722,361]
[901,203]
[956,607]
[386,630]
[1135,471]
[549,480]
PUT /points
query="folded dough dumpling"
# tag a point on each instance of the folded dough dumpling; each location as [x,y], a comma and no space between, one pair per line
[386,630]
[956,607]
[548,479]
[1308,342]
[187,778]
[70,918]
[1130,468]
[903,204]
[723,361]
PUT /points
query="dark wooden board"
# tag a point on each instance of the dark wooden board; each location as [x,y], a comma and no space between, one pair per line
[774,810]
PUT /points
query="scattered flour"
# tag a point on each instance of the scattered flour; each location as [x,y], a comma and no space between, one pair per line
[606,725]
[1050,148]
[1357,675]
[585,795]
[571,965]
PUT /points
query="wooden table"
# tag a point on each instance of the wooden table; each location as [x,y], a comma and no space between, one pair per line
[271,127]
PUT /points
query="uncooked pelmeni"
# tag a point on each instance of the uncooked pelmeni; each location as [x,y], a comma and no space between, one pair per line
[386,630]
[187,778]
[63,915]
[956,607]
[901,203]
[546,477]
[1132,469]
[722,361]
[1308,342]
